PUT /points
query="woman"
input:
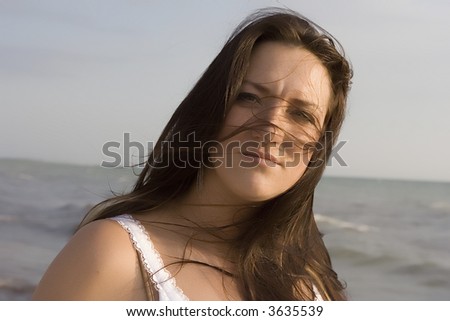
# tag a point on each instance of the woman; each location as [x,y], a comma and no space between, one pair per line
[223,207]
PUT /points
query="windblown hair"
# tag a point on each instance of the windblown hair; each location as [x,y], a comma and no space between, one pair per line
[282,255]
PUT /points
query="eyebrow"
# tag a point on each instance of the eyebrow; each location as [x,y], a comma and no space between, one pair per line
[266,91]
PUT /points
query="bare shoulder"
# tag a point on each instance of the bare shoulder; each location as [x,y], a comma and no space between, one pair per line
[98,263]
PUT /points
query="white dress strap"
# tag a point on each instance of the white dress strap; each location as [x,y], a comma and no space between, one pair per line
[152,262]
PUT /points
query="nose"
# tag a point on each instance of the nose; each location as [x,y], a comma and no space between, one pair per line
[269,123]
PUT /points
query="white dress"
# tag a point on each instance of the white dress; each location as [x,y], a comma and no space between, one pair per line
[152,262]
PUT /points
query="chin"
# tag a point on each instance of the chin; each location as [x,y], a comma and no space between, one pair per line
[256,195]
[254,199]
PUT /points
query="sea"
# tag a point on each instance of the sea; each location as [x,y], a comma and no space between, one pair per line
[388,239]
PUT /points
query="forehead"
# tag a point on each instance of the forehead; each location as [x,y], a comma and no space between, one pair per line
[290,71]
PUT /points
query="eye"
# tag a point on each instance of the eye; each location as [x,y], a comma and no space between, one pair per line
[248,98]
[302,115]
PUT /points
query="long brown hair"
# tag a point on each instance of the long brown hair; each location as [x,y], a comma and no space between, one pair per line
[282,255]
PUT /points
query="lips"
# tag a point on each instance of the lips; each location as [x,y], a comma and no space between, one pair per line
[262,155]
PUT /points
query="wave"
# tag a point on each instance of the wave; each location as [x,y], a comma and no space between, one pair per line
[7,218]
[15,289]
[441,205]
[361,257]
[343,224]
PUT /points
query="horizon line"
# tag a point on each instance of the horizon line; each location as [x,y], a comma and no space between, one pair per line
[325,175]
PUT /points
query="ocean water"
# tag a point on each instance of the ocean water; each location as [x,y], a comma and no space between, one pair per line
[388,240]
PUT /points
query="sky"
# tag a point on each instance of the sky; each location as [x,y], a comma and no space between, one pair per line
[75,75]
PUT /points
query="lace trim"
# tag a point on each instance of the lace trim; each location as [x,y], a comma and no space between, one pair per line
[161,275]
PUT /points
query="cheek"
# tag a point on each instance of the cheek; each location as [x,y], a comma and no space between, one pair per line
[296,166]
[284,181]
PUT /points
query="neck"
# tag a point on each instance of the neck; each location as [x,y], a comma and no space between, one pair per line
[199,209]
[209,214]
[210,204]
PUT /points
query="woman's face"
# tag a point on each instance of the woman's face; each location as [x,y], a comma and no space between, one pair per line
[281,106]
